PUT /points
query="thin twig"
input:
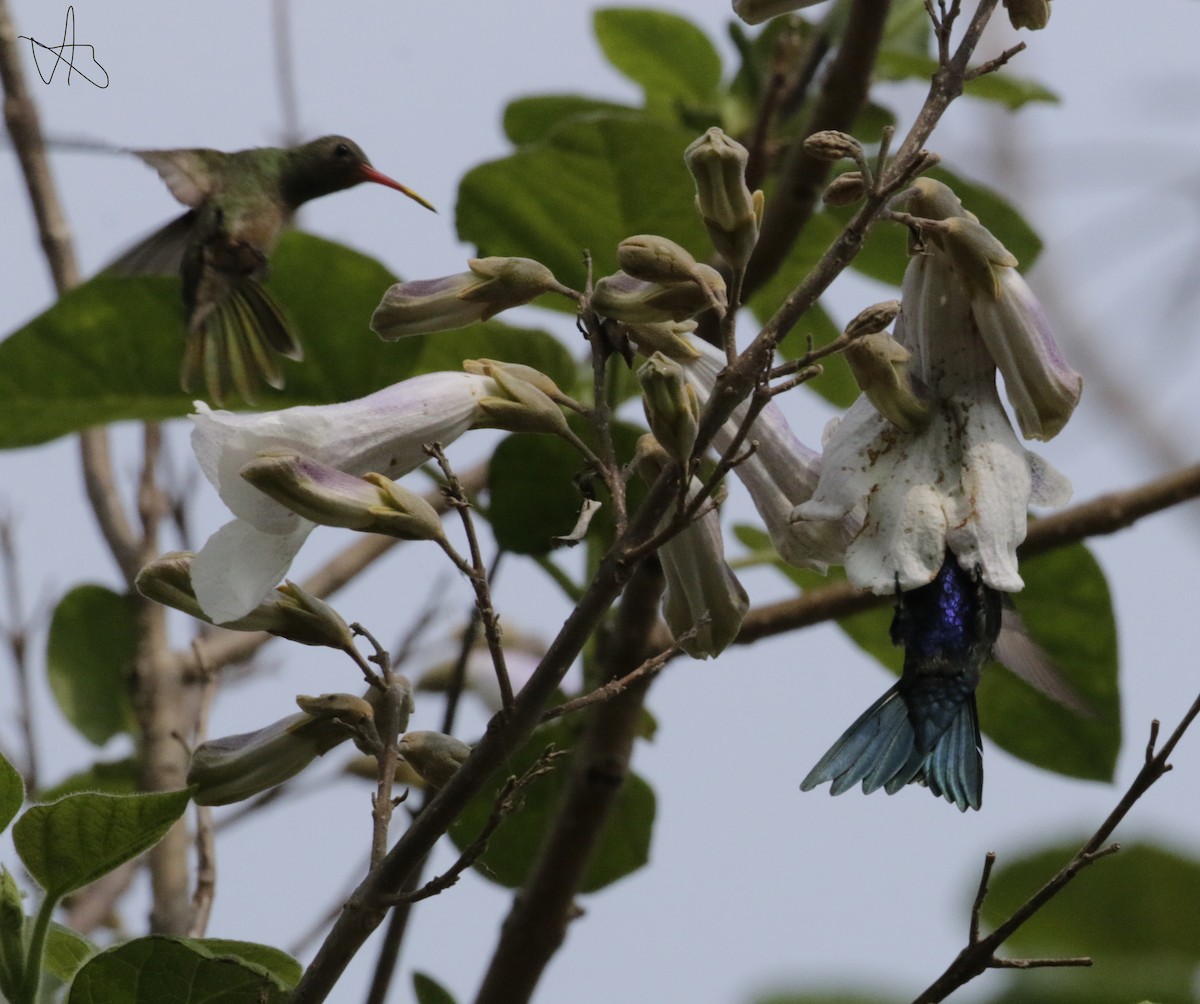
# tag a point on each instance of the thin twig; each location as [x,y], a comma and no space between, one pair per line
[206,845]
[476,573]
[507,801]
[16,636]
[979,954]
[614,688]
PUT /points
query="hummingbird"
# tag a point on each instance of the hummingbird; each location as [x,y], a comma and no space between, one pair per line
[926,727]
[238,205]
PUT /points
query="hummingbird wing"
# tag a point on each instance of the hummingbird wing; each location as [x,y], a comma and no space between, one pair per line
[159,254]
[189,174]
[1016,650]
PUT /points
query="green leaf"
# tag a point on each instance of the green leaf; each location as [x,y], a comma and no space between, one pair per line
[89,656]
[533,494]
[593,182]
[669,57]
[158,969]
[110,349]
[429,991]
[623,846]
[1001,88]
[12,792]
[532,119]
[112,777]
[1134,913]
[71,842]
[66,952]
[286,970]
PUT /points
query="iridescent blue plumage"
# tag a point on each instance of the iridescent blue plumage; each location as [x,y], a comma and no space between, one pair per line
[925,729]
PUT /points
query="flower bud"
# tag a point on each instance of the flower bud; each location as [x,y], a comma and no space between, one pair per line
[655,259]
[421,306]
[433,755]
[288,612]
[704,604]
[1031,14]
[758,11]
[872,319]
[832,145]
[880,367]
[729,211]
[12,936]
[526,404]
[330,497]
[672,408]
[846,189]
[668,337]
[932,200]
[975,255]
[238,767]
[621,297]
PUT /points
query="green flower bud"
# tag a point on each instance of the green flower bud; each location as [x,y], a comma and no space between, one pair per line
[880,367]
[433,755]
[526,404]
[874,318]
[672,408]
[454,301]
[12,936]
[330,497]
[729,211]
[846,189]
[1031,14]
[668,337]
[621,297]
[238,767]
[289,612]
[832,145]
[655,259]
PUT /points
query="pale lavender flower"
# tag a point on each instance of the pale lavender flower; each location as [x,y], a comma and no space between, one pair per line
[384,433]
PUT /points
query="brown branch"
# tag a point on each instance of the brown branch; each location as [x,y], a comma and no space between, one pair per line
[979,954]
[1106,514]
[537,922]
[15,630]
[842,96]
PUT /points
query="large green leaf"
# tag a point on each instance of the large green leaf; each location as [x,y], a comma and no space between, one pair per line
[593,182]
[531,119]
[89,657]
[71,842]
[1066,607]
[66,952]
[623,846]
[1137,914]
[112,777]
[12,792]
[286,970]
[159,969]
[109,350]
[669,57]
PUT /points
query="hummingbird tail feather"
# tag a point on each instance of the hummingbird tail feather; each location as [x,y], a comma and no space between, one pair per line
[953,769]
[238,346]
[877,749]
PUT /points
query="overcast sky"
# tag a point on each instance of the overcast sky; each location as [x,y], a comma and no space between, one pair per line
[752,885]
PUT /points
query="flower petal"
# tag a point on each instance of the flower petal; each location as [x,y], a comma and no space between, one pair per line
[240,564]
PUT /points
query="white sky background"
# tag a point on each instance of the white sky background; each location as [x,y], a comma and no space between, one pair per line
[752,885]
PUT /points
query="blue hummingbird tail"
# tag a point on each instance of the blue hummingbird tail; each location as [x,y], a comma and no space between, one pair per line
[927,732]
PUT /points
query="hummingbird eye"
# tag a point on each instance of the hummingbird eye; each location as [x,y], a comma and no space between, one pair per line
[341,150]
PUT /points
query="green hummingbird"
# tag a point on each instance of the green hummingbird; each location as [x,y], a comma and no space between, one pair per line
[238,205]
